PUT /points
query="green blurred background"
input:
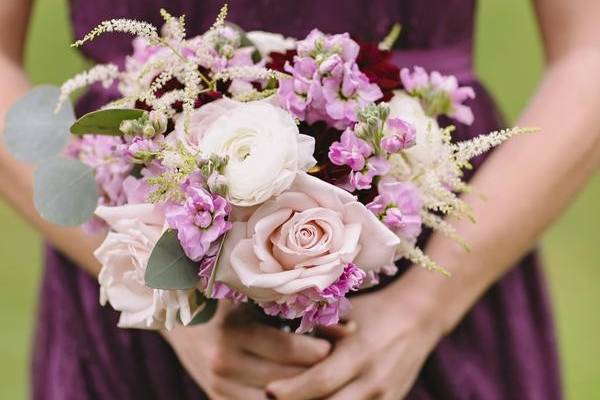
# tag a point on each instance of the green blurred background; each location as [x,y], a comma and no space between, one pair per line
[509,60]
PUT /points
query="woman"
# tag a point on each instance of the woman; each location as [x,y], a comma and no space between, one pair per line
[486,333]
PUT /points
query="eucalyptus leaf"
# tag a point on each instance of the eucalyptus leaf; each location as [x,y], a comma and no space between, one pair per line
[168,267]
[65,191]
[33,132]
[105,122]
[205,314]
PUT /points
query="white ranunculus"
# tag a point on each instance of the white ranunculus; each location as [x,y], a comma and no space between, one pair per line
[264,147]
[124,254]
[267,42]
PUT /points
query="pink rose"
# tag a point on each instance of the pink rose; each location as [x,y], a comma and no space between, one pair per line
[301,239]
[124,254]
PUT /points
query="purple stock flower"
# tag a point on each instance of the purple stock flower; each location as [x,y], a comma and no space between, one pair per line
[296,93]
[200,220]
[398,205]
[345,92]
[219,290]
[350,150]
[400,135]
[319,307]
[326,83]
[319,43]
[140,146]
[362,180]
[441,94]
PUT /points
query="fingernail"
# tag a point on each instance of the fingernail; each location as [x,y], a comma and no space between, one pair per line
[271,396]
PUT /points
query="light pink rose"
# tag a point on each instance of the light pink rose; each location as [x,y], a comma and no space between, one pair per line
[303,239]
[124,254]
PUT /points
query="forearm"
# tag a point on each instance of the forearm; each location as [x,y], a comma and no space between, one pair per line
[16,182]
[526,183]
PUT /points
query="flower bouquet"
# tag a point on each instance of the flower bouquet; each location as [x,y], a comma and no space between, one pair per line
[248,166]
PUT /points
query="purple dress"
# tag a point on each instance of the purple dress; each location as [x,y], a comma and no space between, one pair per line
[503,349]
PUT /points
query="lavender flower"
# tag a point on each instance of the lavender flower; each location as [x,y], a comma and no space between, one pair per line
[350,151]
[326,83]
[220,290]
[399,205]
[110,167]
[319,307]
[400,135]
[439,94]
[200,220]
[362,180]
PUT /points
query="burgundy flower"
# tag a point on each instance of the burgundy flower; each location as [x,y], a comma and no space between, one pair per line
[278,60]
[376,64]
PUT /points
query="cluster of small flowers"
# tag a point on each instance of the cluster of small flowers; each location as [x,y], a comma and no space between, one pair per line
[326,83]
[366,147]
[110,170]
[439,94]
[200,219]
[316,307]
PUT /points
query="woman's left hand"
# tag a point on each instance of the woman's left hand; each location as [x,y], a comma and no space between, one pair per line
[377,354]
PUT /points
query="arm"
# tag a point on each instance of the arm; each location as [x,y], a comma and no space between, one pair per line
[16,181]
[529,182]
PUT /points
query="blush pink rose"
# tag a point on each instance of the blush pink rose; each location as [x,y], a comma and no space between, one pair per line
[303,239]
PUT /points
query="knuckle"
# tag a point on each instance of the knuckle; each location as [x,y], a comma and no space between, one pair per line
[219,362]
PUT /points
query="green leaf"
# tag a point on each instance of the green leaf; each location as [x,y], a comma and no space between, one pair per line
[168,267]
[65,191]
[208,310]
[33,132]
[105,122]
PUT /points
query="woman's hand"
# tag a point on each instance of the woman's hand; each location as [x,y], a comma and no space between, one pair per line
[234,355]
[377,354]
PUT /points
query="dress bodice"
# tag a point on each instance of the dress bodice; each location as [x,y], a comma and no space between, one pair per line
[426,24]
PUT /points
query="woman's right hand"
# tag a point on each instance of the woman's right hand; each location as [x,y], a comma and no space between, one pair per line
[234,356]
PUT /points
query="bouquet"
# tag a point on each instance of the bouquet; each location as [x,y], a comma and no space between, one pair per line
[248,166]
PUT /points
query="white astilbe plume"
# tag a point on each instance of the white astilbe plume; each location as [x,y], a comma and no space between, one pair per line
[439,224]
[438,197]
[466,150]
[138,28]
[174,28]
[254,95]
[106,74]
[156,85]
[417,257]
[220,21]
[192,81]
[166,101]
[251,73]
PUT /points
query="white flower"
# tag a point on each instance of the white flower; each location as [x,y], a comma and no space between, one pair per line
[429,148]
[262,142]
[266,42]
[135,229]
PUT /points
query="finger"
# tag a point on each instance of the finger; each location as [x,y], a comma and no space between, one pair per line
[338,331]
[255,371]
[359,389]
[228,389]
[282,347]
[324,378]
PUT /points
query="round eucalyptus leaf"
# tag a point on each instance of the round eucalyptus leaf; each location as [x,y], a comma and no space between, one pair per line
[33,132]
[168,266]
[65,191]
[207,310]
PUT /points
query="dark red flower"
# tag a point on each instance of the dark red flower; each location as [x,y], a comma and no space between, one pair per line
[278,60]
[376,65]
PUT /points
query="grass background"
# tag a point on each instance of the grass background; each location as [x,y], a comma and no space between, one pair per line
[508,59]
